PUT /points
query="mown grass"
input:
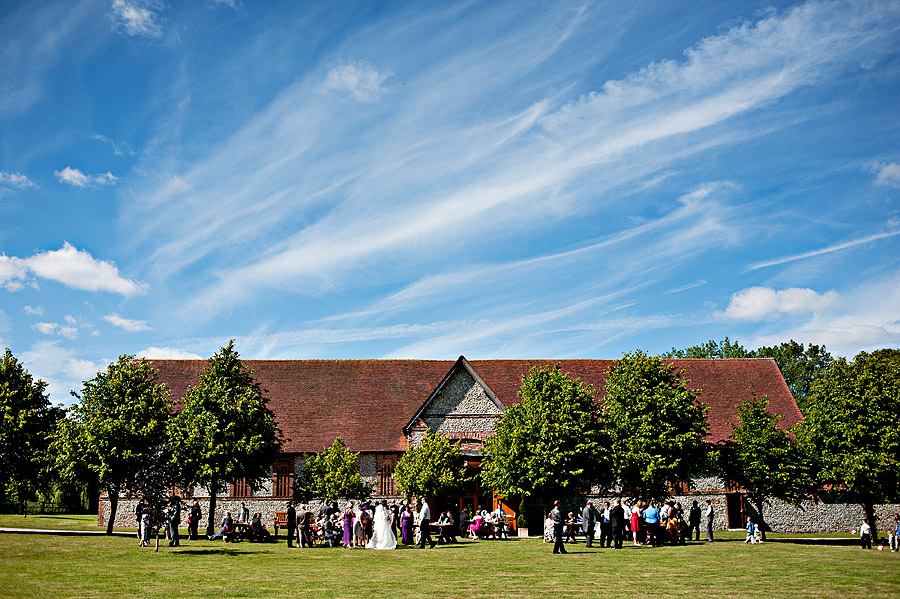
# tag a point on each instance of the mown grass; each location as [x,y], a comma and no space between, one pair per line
[110,567]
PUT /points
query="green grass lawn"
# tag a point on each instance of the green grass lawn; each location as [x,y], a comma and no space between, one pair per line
[109,567]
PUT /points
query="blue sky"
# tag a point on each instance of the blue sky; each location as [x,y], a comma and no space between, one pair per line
[378,179]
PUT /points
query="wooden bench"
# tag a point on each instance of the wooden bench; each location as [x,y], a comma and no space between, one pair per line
[280,520]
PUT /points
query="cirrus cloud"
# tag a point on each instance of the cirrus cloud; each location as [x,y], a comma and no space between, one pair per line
[360,79]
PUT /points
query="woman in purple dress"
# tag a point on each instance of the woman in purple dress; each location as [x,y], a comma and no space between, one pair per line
[348,527]
[406,526]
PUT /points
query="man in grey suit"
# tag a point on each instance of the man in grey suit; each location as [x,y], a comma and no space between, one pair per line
[710,516]
[588,520]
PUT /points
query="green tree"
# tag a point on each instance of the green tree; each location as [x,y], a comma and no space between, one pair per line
[761,458]
[800,366]
[224,430]
[433,467]
[551,444]
[657,426]
[26,418]
[118,421]
[851,428]
[334,473]
[711,349]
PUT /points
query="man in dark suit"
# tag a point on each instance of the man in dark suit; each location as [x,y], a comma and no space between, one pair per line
[694,521]
[605,527]
[617,522]
[588,521]
[291,523]
[559,524]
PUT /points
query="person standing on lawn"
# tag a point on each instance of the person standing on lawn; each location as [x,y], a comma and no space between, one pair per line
[617,523]
[588,521]
[174,518]
[291,522]
[693,521]
[425,525]
[194,519]
[559,523]
[710,516]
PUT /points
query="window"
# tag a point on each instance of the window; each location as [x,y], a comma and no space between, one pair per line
[283,477]
[240,488]
[386,464]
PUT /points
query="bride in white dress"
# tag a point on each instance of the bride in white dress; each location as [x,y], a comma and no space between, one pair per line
[382,531]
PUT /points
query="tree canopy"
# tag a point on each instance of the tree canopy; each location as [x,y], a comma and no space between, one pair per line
[799,365]
[224,430]
[761,458]
[657,426]
[551,444]
[334,473]
[851,429]
[118,421]
[26,419]
[433,467]
[711,349]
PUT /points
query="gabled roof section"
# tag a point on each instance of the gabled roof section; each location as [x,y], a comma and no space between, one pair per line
[461,363]
[369,403]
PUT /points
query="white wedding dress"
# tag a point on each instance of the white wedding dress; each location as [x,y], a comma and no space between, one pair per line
[382,532]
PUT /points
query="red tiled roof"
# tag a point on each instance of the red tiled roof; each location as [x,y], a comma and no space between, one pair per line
[368,402]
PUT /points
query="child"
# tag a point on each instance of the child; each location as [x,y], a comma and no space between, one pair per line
[145,528]
[751,532]
[865,535]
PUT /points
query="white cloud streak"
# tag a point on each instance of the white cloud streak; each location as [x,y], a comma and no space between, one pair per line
[127,324]
[826,250]
[74,177]
[511,171]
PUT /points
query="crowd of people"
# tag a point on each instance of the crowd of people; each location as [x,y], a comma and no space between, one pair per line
[642,524]
[361,524]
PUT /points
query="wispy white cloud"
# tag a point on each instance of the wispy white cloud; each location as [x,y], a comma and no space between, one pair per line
[15,180]
[45,328]
[514,170]
[167,353]
[826,250]
[137,17]
[127,324]
[118,149]
[757,303]
[699,283]
[71,267]
[887,174]
[34,310]
[361,80]
[73,176]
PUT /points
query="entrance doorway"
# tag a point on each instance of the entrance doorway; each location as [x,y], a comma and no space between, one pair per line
[734,510]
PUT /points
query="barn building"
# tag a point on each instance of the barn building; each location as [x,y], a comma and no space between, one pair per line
[381,407]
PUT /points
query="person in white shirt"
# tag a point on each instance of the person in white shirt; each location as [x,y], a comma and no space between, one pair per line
[710,516]
[865,534]
[425,525]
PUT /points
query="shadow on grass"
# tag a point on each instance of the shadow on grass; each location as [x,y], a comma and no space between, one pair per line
[231,552]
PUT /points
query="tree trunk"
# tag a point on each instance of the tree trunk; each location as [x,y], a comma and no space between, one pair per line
[211,517]
[869,511]
[113,506]
[762,521]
